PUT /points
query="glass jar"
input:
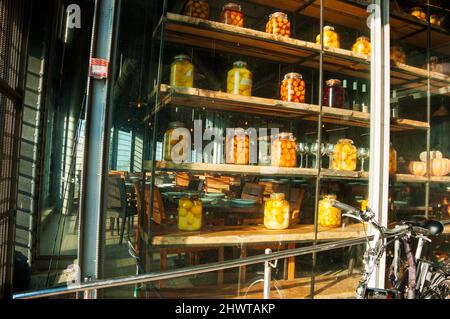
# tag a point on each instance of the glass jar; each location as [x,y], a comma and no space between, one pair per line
[392,160]
[239,79]
[170,142]
[190,214]
[284,151]
[197,9]
[182,72]
[434,19]
[344,155]
[398,55]
[362,45]
[239,151]
[279,24]
[276,212]
[418,13]
[293,88]
[330,38]
[333,94]
[364,204]
[264,158]
[328,216]
[232,14]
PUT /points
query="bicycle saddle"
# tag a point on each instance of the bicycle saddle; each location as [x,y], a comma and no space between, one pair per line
[434,227]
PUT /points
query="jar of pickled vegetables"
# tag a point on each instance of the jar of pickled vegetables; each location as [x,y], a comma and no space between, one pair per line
[190,214]
[197,9]
[418,13]
[398,55]
[434,19]
[239,80]
[279,24]
[293,88]
[362,45]
[170,141]
[232,14]
[330,38]
[284,151]
[329,216]
[392,160]
[182,72]
[333,94]
[276,212]
[238,152]
[344,155]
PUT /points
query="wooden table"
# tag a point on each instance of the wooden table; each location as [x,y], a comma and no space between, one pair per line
[244,236]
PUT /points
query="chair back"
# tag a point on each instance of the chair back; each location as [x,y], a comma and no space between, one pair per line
[159,213]
[253,191]
[116,193]
[182,179]
[219,184]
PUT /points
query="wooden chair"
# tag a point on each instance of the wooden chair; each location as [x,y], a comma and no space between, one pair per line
[253,191]
[219,184]
[182,179]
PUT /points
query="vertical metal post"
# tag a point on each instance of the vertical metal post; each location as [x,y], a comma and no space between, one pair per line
[267,275]
[379,122]
[91,214]
[428,137]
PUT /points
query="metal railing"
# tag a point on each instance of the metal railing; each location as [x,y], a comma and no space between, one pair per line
[187,271]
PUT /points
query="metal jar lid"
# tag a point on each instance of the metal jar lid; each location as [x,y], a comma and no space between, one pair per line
[333,82]
[176,124]
[240,64]
[232,6]
[182,57]
[292,75]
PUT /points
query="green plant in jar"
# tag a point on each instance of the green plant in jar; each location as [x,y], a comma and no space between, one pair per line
[239,80]
[182,72]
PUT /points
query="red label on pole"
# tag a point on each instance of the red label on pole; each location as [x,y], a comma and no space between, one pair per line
[99,68]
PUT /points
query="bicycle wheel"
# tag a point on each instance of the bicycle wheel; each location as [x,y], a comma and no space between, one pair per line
[255,289]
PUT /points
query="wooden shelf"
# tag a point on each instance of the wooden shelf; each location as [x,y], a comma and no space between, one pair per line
[220,101]
[227,38]
[409,178]
[232,169]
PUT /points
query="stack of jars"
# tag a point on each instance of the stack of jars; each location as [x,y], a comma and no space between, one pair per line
[182,72]
[331,38]
[284,151]
[279,24]
[232,14]
[190,214]
[237,149]
[239,80]
[344,155]
[293,88]
[197,9]
[276,212]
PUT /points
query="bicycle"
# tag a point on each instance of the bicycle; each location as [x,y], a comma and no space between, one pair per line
[422,280]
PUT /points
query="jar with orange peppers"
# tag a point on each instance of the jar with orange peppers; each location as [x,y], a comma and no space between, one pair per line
[362,45]
[344,155]
[329,215]
[293,88]
[197,9]
[237,148]
[398,54]
[330,38]
[190,214]
[284,151]
[276,212]
[279,24]
[418,13]
[232,14]
[392,160]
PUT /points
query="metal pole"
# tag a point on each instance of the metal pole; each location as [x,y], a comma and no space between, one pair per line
[379,123]
[267,275]
[91,215]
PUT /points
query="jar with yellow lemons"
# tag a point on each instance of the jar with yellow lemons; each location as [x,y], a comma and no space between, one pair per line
[182,72]
[364,204]
[362,45]
[330,38]
[190,214]
[276,212]
[329,216]
[344,155]
[239,80]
